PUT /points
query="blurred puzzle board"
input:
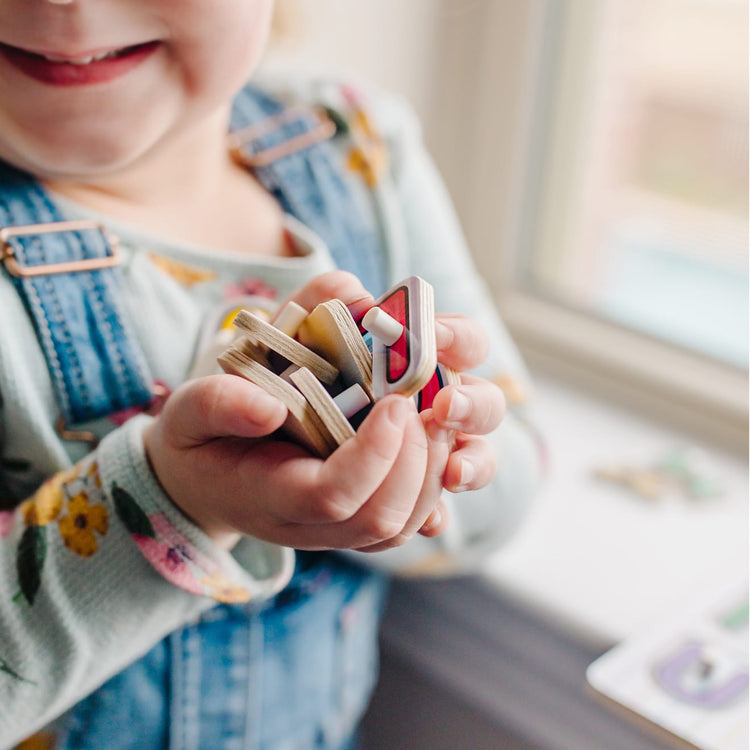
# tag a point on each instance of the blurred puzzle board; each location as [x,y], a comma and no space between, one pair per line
[688,677]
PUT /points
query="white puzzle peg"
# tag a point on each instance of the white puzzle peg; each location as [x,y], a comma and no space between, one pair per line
[352,400]
[382,326]
[290,318]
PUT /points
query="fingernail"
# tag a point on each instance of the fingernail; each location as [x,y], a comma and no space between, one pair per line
[432,520]
[264,407]
[467,472]
[443,336]
[460,407]
[438,434]
[398,410]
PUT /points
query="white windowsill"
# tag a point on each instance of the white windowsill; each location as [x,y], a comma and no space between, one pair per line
[599,557]
[707,398]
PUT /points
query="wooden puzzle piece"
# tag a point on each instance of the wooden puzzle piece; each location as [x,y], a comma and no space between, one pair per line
[408,363]
[324,405]
[303,424]
[441,377]
[330,330]
[330,350]
[290,349]
[218,332]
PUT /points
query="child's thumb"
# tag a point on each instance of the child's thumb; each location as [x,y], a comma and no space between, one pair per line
[221,406]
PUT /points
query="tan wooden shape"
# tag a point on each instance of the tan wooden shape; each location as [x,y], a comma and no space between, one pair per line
[264,333]
[331,331]
[325,407]
[303,425]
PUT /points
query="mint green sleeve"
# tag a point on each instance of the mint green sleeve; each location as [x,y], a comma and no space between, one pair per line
[98,566]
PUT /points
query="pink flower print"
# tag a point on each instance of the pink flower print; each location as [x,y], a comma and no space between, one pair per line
[154,406]
[6,522]
[167,533]
[170,561]
[250,285]
[352,96]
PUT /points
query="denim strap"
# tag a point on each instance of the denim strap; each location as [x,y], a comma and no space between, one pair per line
[309,184]
[96,364]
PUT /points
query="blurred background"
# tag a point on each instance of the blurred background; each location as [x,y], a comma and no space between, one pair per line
[597,154]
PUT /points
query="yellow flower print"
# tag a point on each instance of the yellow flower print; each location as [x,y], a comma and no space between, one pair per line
[368,162]
[78,527]
[370,154]
[361,122]
[223,590]
[93,474]
[45,505]
[186,275]
[515,392]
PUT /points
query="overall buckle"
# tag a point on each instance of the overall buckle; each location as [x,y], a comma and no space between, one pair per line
[8,252]
[241,139]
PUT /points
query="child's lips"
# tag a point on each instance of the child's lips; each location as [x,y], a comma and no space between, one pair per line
[86,69]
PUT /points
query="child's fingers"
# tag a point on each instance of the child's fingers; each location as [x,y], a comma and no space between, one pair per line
[462,343]
[382,521]
[471,466]
[437,522]
[334,285]
[220,406]
[345,481]
[477,406]
[439,443]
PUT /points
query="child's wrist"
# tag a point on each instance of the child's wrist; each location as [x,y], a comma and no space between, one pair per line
[223,536]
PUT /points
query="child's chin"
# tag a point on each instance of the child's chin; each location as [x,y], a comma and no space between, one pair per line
[74,162]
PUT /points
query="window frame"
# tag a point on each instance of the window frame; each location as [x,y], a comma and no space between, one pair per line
[665,381]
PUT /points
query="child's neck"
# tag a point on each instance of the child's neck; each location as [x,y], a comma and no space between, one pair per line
[188,190]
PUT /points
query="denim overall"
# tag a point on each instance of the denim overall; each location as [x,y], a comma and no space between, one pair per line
[291,673]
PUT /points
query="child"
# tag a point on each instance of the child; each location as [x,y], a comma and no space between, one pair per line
[146,552]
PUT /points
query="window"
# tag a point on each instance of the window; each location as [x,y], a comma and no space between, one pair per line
[597,153]
[635,213]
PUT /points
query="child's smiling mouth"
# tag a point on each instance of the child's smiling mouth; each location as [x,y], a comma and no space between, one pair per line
[85,69]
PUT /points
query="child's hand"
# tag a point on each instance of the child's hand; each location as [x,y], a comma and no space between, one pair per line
[212,453]
[472,409]
[209,451]
[459,458]
[431,509]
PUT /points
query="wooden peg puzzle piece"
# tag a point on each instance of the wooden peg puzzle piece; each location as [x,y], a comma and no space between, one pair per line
[276,340]
[382,326]
[330,330]
[290,318]
[406,365]
[303,424]
[330,351]
[325,407]
[352,400]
